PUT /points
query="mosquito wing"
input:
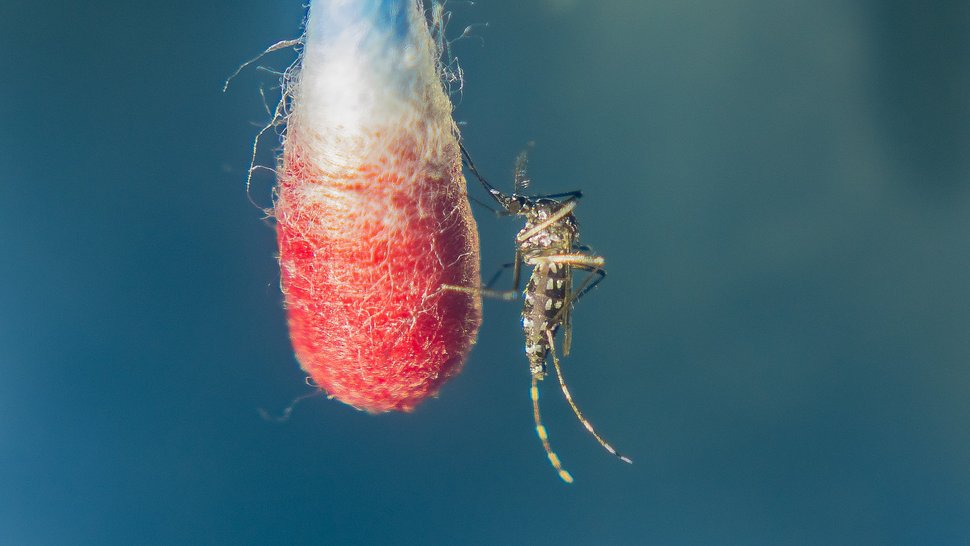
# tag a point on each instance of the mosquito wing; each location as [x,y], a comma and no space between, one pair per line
[521,175]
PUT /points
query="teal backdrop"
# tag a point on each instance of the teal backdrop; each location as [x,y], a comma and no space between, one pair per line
[781,190]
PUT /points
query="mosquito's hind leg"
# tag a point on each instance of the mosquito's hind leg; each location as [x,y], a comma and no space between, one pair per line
[543,437]
[569,398]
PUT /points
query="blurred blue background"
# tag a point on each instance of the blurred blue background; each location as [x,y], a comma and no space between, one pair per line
[780,189]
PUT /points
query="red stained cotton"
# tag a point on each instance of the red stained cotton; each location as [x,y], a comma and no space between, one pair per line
[371,210]
[363,257]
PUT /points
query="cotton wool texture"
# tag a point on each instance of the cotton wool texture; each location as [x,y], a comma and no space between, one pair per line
[372,213]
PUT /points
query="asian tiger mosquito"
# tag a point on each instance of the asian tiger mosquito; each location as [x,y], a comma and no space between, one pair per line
[549,244]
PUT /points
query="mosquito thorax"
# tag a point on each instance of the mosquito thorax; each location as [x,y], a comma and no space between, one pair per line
[546,227]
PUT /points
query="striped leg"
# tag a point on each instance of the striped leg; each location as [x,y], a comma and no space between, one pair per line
[569,398]
[541,431]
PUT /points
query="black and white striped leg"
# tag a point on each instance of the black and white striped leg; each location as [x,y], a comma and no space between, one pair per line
[572,404]
[543,437]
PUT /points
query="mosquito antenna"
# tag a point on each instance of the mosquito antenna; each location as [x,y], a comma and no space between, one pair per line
[544,438]
[569,398]
[497,195]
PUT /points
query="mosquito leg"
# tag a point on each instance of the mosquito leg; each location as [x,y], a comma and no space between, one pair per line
[569,398]
[573,195]
[517,270]
[572,260]
[543,437]
[484,205]
[487,290]
[567,328]
[506,295]
[498,274]
[596,276]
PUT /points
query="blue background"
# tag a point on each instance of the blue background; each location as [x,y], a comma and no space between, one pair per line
[780,189]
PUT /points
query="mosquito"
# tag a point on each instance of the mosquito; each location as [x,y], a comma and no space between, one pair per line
[549,245]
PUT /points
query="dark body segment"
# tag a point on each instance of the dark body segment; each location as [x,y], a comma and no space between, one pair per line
[546,297]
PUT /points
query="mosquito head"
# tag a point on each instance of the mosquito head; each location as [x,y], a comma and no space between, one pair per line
[517,204]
